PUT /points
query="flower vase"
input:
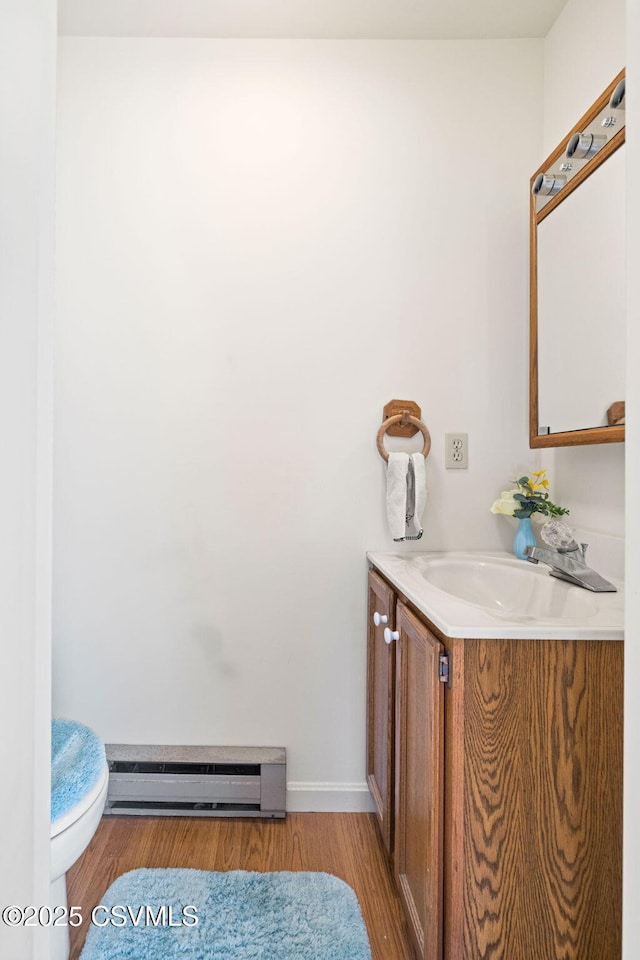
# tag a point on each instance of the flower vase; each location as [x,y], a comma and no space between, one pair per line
[524,538]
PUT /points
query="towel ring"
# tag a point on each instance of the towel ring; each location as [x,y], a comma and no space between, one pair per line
[406,419]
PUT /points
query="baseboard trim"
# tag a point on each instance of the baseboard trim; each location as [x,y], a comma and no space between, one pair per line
[319,797]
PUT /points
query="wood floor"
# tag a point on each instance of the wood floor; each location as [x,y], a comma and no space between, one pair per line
[345,844]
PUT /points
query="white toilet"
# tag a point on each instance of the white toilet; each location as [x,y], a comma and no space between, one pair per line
[70,836]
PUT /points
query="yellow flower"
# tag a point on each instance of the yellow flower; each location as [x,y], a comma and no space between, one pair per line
[540,482]
[532,496]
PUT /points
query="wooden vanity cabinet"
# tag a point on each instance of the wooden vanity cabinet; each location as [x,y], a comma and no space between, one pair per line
[507,840]
[381,678]
[419,781]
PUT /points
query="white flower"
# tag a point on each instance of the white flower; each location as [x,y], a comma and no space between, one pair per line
[506,504]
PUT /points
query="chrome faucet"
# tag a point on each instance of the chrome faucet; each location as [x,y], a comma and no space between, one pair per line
[568,563]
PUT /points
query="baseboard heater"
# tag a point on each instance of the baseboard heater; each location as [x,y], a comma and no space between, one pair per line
[170,781]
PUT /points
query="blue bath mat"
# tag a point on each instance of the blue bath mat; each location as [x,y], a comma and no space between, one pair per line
[241,916]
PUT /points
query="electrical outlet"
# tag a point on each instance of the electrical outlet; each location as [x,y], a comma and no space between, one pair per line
[456,450]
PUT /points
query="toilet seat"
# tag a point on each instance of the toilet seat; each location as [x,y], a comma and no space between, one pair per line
[81,806]
[77,759]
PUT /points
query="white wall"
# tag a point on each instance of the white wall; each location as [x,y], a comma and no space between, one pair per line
[27,123]
[631,860]
[260,243]
[589,44]
[583,52]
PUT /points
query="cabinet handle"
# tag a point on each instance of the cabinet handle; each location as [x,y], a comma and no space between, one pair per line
[390,635]
[379,618]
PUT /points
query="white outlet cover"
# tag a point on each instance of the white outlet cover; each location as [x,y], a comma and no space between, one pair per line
[456,451]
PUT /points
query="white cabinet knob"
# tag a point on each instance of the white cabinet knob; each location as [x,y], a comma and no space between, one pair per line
[379,618]
[390,635]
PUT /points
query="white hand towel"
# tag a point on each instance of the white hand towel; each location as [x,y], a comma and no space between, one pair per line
[416,496]
[397,470]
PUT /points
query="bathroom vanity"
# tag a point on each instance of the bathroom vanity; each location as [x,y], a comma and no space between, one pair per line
[494,756]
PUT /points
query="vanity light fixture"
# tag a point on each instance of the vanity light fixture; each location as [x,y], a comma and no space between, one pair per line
[582,146]
[548,184]
[617,97]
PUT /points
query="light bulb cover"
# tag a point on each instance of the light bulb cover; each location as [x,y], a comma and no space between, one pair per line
[548,184]
[582,146]
[617,97]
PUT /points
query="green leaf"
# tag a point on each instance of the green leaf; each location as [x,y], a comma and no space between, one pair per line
[523,481]
[522,514]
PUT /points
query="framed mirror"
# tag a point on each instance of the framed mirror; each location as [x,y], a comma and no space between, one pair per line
[577,276]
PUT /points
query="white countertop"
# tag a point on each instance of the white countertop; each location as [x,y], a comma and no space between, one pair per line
[594,616]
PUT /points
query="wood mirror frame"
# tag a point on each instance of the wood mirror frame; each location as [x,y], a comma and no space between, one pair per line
[601,434]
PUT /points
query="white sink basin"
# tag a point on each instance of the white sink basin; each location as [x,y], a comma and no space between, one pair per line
[508,587]
[491,595]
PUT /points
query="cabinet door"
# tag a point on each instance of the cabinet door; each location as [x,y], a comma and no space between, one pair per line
[380,706]
[419,782]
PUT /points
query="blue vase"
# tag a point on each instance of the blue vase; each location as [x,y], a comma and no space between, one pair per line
[525,537]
